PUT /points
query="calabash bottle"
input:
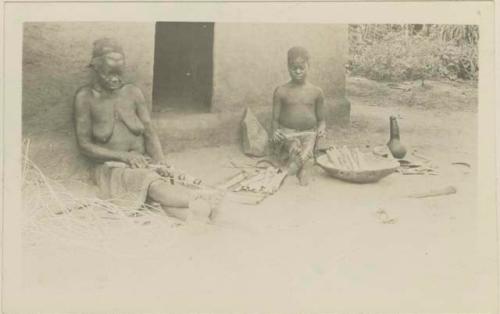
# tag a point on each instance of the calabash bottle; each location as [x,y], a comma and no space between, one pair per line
[397,149]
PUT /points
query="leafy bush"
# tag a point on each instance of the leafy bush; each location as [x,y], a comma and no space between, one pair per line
[395,52]
[459,62]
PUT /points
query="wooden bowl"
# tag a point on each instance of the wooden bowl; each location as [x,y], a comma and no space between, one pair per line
[379,168]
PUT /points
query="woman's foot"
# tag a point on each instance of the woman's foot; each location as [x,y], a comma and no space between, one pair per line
[206,204]
[178,213]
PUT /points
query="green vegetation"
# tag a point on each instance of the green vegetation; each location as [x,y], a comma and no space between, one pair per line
[388,52]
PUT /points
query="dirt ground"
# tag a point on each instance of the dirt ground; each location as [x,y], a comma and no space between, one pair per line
[329,247]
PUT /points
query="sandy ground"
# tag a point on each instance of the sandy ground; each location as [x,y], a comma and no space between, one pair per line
[321,248]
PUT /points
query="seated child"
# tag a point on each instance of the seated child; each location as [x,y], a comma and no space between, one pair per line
[298,116]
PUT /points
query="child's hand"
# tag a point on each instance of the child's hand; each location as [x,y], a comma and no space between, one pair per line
[295,150]
[278,136]
[321,132]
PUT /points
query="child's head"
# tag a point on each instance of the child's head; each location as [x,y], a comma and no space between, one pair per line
[298,63]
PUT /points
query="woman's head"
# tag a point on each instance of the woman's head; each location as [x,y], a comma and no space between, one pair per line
[108,61]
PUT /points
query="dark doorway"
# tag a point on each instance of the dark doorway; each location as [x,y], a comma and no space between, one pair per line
[183,66]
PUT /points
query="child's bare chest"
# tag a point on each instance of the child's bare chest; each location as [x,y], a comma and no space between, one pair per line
[302,99]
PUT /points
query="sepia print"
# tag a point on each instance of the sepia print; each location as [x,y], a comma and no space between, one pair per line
[257,166]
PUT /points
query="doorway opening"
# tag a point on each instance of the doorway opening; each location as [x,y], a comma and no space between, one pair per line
[183,67]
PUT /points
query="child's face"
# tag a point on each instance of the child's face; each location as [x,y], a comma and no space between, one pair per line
[298,69]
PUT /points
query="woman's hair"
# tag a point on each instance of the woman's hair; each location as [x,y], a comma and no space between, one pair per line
[102,47]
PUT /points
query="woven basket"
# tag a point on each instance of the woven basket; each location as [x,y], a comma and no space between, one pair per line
[379,168]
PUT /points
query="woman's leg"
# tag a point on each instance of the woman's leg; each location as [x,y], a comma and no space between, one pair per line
[169,195]
[178,200]
[174,199]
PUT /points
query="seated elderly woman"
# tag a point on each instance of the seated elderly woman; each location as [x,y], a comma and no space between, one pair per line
[113,123]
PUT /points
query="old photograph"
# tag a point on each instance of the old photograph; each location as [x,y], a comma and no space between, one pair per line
[223,167]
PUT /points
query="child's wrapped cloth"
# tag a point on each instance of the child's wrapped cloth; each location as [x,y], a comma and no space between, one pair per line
[298,146]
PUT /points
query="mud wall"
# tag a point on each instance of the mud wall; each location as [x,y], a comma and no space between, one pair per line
[55,59]
[250,61]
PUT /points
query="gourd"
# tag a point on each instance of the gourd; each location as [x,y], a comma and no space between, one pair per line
[397,149]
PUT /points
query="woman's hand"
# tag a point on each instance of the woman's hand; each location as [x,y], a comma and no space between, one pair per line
[135,160]
[162,162]
[164,169]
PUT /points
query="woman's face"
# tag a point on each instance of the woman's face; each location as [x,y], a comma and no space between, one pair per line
[110,70]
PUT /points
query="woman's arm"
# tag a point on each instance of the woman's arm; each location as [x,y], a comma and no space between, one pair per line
[151,139]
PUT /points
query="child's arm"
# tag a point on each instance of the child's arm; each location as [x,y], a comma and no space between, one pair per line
[276,134]
[321,114]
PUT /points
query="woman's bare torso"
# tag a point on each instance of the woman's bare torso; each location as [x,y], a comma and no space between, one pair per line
[115,124]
